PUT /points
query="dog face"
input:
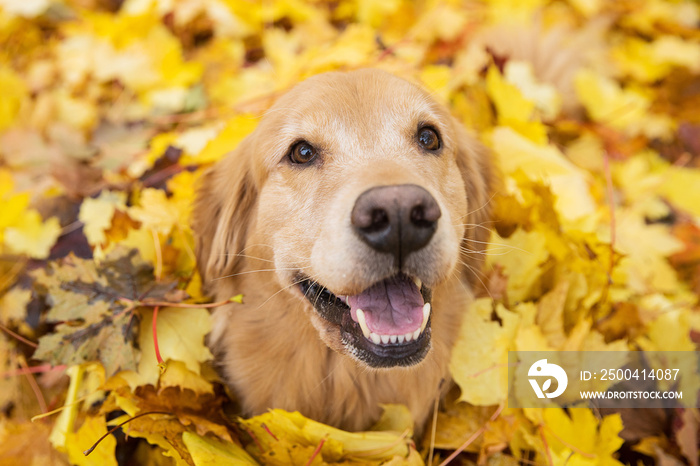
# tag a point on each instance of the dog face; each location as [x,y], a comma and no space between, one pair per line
[363,194]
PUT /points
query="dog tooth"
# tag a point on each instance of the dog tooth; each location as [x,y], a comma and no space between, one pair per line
[426,316]
[418,282]
[392,338]
[376,339]
[408,337]
[416,334]
[363,323]
[385,339]
[401,338]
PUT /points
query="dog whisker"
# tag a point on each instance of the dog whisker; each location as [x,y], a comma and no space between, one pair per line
[501,245]
[471,226]
[466,288]
[476,274]
[246,256]
[277,269]
[483,206]
[490,252]
[285,288]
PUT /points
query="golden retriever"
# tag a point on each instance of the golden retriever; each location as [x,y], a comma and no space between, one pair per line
[352,220]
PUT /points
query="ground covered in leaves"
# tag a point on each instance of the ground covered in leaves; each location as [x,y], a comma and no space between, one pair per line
[111,110]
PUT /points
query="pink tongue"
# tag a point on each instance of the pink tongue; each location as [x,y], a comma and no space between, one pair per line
[392,307]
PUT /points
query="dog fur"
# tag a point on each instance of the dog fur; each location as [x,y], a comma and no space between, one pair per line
[260,221]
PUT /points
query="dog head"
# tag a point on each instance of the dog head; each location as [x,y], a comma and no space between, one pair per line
[364,195]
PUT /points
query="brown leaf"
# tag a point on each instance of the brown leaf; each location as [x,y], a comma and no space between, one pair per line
[90,305]
[188,411]
[688,436]
[641,423]
[623,321]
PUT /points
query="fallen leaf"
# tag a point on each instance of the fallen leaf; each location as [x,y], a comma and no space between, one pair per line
[77,443]
[688,436]
[32,236]
[27,444]
[89,303]
[96,215]
[479,363]
[207,451]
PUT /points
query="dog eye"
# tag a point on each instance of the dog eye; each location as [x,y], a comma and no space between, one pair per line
[302,152]
[428,138]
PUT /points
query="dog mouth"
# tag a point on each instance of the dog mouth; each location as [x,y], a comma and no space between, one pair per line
[386,325]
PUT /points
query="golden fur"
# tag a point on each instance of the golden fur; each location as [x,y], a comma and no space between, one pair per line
[260,220]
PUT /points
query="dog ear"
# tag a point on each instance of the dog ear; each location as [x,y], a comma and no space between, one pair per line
[476,165]
[223,211]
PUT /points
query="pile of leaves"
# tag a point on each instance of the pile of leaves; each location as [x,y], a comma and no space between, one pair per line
[111,110]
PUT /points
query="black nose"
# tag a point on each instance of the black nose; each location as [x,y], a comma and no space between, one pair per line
[396,219]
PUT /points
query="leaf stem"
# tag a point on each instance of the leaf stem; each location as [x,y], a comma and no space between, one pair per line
[110,431]
[18,337]
[573,448]
[267,429]
[254,437]
[35,386]
[474,436]
[316,452]
[155,334]
[546,446]
[58,410]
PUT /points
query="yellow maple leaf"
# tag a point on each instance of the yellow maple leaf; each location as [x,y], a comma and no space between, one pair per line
[437,79]
[26,444]
[156,149]
[479,363]
[227,140]
[297,429]
[13,94]
[374,13]
[354,48]
[652,61]
[536,160]
[440,21]
[32,236]
[626,110]
[648,15]
[512,108]
[670,334]
[544,96]
[194,140]
[547,164]
[681,186]
[581,438]
[181,334]
[177,374]
[156,212]
[208,451]
[91,430]
[96,214]
[520,255]
[644,267]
